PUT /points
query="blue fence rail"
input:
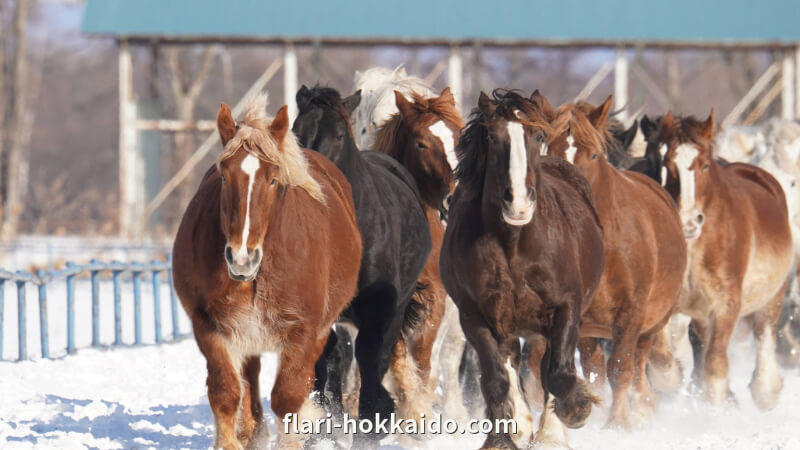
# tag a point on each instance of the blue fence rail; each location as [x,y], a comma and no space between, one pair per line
[42,279]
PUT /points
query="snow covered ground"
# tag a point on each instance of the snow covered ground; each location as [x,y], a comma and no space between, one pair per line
[154,396]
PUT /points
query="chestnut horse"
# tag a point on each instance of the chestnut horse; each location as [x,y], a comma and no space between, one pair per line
[645,261]
[396,240]
[266,258]
[740,251]
[522,256]
[422,137]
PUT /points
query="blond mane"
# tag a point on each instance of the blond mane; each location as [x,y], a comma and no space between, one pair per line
[254,137]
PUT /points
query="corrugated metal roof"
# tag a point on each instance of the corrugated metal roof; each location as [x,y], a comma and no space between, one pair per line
[417,21]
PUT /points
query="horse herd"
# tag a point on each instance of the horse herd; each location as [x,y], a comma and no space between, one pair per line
[527,233]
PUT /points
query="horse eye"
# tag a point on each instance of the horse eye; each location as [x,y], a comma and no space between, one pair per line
[705,167]
[272,183]
[539,138]
[222,178]
[793,183]
[594,156]
[420,146]
[363,131]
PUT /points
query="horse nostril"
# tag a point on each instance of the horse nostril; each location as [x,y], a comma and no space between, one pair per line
[701,218]
[507,197]
[228,254]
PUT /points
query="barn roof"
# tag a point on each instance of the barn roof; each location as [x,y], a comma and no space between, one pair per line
[500,22]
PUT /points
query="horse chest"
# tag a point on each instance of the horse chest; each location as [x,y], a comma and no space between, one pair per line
[249,330]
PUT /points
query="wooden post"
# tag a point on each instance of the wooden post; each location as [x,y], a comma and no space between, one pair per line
[127,136]
[290,79]
[788,85]
[797,82]
[454,75]
[621,84]
[673,77]
[477,71]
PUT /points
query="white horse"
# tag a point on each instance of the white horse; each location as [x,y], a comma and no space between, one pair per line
[377,105]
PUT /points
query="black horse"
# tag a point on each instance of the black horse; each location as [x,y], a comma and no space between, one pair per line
[396,242]
[522,257]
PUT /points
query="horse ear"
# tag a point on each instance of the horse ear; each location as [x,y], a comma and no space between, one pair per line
[405,107]
[648,127]
[447,95]
[629,135]
[708,126]
[544,105]
[225,124]
[351,103]
[599,114]
[280,125]
[667,120]
[303,97]
[485,104]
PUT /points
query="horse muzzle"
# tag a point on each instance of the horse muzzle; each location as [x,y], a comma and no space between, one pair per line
[519,213]
[243,264]
[692,224]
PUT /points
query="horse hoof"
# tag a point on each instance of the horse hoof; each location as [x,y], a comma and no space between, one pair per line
[765,395]
[574,408]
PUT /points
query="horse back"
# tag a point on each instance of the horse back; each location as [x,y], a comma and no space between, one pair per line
[757,178]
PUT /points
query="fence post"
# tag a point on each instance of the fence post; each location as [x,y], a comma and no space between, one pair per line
[172,300]
[43,331]
[137,306]
[117,308]
[157,303]
[2,318]
[95,307]
[22,333]
[70,311]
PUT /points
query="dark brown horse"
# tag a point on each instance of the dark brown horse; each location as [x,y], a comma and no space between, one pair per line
[266,258]
[645,261]
[421,137]
[522,257]
[740,251]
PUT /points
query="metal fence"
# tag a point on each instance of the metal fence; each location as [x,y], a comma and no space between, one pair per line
[42,279]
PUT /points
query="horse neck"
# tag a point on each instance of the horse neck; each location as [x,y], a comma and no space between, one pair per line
[349,160]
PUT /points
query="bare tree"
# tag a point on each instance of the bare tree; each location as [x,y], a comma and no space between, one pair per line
[186,88]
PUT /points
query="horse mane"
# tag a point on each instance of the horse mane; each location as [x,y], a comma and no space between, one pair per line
[329,98]
[378,82]
[471,149]
[391,132]
[686,129]
[253,135]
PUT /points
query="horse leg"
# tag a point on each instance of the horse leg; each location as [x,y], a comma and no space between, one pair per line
[766,384]
[224,387]
[574,401]
[252,413]
[494,377]
[522,411]
[715,376]
[593,362]
[530,372]
[325,370]
[644,401]
[699,334]
[293,384]
[451,343]
[551,432]
[620,372]
[663,370]
[379,331]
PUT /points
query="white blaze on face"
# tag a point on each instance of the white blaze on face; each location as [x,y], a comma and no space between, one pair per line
[518,164]
[684,157]
[571,149]
[663,152]
[249,166]
[440,130]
